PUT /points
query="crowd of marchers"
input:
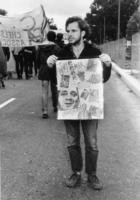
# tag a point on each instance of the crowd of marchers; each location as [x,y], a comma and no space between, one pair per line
[26,60]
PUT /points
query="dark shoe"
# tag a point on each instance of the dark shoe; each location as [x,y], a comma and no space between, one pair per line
[45,116]
[74,180]
[55,110]
[94,182]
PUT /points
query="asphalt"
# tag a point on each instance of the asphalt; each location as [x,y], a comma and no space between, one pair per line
[34,157]
[129,78]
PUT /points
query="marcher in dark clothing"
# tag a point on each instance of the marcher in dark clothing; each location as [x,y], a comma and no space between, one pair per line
[6,51]
[35,64]
[28,55]
[46,74]
[18,56]
[59,40]
[3,67]
[77,30]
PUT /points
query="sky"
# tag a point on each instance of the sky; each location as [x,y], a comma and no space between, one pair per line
[59,10]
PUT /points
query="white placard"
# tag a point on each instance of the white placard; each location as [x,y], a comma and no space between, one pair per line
[80,89]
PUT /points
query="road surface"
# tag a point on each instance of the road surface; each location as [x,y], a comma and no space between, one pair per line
[34,158]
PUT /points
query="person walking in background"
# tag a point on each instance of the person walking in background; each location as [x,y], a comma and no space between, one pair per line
[6,52]
[3,67]
[28,56]
[78,30]
[46,74]
[35,64]
[59,40]
[18,56]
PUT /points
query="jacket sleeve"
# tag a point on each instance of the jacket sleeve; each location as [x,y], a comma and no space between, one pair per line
[106,72]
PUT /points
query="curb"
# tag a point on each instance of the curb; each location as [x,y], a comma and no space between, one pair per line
[131,82]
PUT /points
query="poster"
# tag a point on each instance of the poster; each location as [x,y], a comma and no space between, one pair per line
[80,89]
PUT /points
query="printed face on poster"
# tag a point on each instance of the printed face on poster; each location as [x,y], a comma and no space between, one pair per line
[80,89]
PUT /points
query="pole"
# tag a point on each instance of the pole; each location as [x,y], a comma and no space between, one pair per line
[104,29]
[119,9]
[100,34]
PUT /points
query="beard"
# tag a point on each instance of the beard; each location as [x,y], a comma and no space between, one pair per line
[75,42]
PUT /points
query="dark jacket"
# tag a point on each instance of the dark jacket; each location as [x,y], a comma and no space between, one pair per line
[89,51]
[44,51]
[6,52]
[3,63]
[28,52]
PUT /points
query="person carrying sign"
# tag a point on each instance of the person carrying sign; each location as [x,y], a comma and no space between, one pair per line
[78,30]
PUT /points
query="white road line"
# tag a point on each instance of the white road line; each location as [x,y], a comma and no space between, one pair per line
[7,102]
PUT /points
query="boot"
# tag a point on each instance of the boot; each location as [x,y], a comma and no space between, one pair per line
[94,182]
[74,180]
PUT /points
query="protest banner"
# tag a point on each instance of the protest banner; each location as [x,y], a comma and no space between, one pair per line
[27,29]
[13,37]
[80,89]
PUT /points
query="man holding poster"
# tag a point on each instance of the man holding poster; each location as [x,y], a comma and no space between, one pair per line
[77,84]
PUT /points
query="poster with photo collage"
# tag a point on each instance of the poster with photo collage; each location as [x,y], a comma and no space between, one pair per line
[80,89]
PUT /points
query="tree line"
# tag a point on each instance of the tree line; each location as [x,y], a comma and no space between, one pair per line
[103,18]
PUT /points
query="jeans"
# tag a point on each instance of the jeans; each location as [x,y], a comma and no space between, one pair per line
[45,95]
[54,94]
[89,128]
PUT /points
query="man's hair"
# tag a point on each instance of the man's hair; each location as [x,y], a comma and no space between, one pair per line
[82,25]
[51,35]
